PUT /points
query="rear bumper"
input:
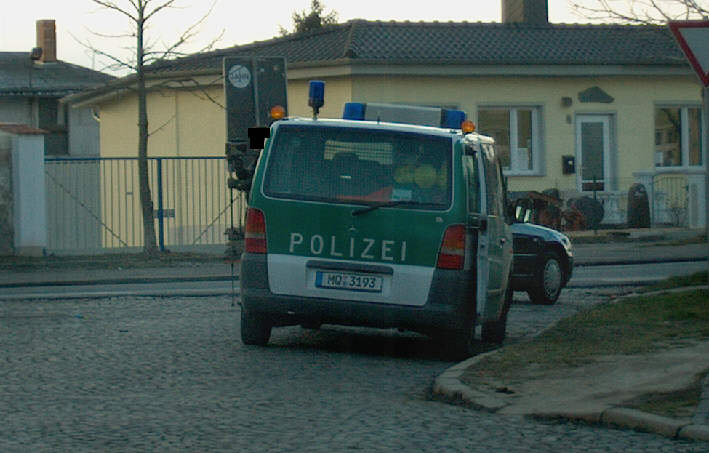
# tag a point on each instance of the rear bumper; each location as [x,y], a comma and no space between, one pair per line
[450,303]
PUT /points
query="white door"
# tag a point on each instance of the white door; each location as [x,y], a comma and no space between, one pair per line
[593,152]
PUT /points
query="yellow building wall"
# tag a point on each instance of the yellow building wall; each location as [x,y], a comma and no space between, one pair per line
[187,123]
[181,122]
[338,91]
[633,110]
[192,122]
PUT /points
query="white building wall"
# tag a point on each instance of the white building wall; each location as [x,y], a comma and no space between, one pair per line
[28,188]
[16,110]
[83,132]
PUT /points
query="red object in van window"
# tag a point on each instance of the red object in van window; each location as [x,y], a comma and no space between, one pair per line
[255,234]
[452,253]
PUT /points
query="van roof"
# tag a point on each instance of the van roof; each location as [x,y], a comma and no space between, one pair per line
[382,125]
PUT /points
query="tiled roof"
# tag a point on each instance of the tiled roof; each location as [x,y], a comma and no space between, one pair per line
[20,76]
[458,43]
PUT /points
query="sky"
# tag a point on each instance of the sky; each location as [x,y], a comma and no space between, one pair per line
[242,22]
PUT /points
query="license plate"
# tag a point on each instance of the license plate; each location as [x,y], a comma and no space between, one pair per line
[347,281]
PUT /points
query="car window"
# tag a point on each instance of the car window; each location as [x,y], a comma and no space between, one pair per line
[341,165]
[493,181]
[473,188]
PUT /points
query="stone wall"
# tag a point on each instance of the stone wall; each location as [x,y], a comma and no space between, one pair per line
[6,227]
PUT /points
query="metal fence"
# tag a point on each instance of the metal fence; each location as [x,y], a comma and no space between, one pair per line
[670,199]
[94,204]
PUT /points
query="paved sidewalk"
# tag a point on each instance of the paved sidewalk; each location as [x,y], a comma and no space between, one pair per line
[592,393]
[584,255]
[636,253]
[78,276]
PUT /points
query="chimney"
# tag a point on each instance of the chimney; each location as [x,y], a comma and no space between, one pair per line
[534,12]
[47,40]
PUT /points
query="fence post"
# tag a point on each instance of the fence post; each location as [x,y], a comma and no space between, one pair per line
[161,212]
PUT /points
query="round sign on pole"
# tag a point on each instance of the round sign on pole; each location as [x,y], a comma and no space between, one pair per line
[239,76]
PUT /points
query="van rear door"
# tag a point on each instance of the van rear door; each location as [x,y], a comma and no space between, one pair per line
[498,236]
[353,213]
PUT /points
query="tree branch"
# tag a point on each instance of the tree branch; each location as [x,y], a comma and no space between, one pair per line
[167,4]
[112,5]
[641,11]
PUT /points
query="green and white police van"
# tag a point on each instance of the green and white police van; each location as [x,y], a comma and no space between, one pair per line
[372,221]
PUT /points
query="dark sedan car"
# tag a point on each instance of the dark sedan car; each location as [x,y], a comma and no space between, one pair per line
[543,262]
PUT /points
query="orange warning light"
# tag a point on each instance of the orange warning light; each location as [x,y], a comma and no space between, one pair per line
[467,126]
[278,112]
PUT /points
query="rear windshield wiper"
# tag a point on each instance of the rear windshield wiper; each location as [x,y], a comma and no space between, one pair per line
[386,204]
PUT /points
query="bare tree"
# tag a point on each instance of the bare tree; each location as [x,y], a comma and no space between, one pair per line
[642,11]
[140,13]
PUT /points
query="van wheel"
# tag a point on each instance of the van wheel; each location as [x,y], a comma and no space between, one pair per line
[459,344]
[495,331]
[548,282]
[254,329]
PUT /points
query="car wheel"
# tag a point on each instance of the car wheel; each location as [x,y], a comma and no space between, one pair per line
[495,331]
[549,281]
[254,329]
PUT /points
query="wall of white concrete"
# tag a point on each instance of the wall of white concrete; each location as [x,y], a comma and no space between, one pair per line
[29,196]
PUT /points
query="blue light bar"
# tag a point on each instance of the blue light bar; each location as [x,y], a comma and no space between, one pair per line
[316,95]
[452,118]
[354,111]
[405,114]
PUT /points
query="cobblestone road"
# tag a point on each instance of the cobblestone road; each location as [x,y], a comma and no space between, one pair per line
[144,374]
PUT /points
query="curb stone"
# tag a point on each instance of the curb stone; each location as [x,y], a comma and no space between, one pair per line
[695,432]
[642,421]
[449,386]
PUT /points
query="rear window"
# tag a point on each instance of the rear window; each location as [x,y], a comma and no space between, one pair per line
[344,165]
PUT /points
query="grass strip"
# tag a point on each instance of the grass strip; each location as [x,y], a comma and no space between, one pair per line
[696,279]
[630,326]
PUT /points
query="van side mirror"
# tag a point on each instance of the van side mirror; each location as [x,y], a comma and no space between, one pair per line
[258,136]
[477,221]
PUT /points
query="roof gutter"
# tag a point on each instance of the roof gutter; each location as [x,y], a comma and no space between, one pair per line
[126,84]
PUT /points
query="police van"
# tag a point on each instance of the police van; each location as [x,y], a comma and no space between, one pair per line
[391,217]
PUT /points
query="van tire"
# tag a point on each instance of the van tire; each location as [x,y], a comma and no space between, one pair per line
[459,344]
[255,330]
[495,331]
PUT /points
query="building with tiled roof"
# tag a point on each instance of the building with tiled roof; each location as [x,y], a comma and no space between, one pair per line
[578,108]
[31,84]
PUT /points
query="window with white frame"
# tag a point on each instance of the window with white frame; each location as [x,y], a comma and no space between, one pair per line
[517,135]
[678,136]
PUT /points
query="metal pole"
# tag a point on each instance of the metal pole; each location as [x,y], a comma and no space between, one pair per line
[161,212]
[705,133]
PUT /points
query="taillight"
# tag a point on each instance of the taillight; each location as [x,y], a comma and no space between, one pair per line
[452,254]
[255,234]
